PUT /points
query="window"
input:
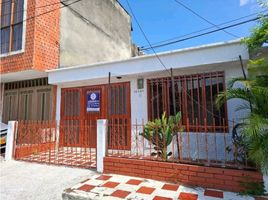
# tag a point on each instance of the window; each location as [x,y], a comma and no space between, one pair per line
[28,100]
[11,25]
[194,97]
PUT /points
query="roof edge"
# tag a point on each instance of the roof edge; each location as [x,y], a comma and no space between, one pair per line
[205,46]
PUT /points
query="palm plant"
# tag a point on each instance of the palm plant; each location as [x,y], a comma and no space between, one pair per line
[160,134]
[254,91]
[254,127]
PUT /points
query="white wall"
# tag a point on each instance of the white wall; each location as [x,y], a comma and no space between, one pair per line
[139,109]
[217,57]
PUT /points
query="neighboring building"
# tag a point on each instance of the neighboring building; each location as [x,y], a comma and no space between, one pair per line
[49,34]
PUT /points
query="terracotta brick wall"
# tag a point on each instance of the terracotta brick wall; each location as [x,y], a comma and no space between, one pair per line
[41,49]
[46,37]
[210,177]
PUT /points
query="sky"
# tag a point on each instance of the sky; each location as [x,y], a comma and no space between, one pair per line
[166,19]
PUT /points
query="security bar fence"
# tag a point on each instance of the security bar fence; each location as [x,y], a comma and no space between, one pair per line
[189,145]
[194,97]
[68,143]
[73,143]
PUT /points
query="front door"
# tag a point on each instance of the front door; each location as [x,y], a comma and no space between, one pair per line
[119,131]
[82,107]
[94,108]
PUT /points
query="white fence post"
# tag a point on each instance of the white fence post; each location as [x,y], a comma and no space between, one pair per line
[265,179]
[11,133]
[101,143]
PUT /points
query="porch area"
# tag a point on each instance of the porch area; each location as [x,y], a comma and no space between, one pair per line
[207,159]
[73,143]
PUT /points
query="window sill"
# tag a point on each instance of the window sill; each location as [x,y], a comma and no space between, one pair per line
[11,53]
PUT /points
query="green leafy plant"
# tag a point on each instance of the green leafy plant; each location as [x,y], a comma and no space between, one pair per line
[251,187]
[160,133]
[252,136]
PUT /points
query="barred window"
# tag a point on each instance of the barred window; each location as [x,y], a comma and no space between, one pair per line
[194,96]
[11,25]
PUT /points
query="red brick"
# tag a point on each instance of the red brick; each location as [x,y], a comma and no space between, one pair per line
[191,173]
[151,163]
[158,178]
[166,165]
[138,171]
[180,167]
[161,198]
[210,177]
[196,168]
[164,174]
[232,172]
[214,170]
[125,169]
[120,194]
[103,177]
[134,182]
[224,177]
[110,184]
[197,179]
[215,181]
[145,167]
[205,175]
[159,169]
[127,161]
[138,162]
[187,196]
[86,188]
[171,171]
[145,190]
[182,176]
[254,175]
[214,193]
[170,187]
[109,164]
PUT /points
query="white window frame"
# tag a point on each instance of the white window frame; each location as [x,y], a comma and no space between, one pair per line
[22,50]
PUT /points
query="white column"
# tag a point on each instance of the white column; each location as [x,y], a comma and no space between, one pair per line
[58,101]
[265,179]
[58,108]
[11,133]
[101,143]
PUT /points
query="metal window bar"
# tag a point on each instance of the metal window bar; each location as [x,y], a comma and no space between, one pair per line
[195,98]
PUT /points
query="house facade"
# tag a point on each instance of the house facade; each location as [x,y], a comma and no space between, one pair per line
[200,73]
[140,89]
[40,35]
[82,98]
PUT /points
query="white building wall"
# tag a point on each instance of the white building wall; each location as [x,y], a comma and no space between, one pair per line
[139,107]
[215,57]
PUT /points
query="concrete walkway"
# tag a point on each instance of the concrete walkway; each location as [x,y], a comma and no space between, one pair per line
[30,181]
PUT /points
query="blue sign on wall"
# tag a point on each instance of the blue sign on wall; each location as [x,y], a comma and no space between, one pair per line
[93,101]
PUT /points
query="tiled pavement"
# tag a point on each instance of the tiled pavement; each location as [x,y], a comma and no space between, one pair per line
[76,157]
[125,187]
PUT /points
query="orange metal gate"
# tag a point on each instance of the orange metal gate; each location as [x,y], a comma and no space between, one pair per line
[41,142]
[74,110]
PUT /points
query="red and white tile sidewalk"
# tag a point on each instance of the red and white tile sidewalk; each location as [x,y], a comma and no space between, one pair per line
[124,187]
